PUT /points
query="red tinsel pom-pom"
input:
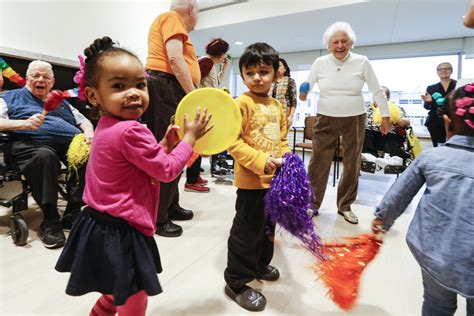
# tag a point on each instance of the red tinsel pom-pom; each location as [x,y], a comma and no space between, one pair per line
[345,262]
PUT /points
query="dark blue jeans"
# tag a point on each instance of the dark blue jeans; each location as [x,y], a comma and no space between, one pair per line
[439,301]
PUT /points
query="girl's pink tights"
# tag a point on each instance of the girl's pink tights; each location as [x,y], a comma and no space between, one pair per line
[135,306]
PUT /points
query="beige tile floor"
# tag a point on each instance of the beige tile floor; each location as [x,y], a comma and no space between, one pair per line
[193,265]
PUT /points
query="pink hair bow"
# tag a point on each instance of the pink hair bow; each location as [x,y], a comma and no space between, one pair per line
[464,102]
[469,87]
[79,78]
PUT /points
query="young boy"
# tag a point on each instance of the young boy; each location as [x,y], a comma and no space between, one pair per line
[257,155]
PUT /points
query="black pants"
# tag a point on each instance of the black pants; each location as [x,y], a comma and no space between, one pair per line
[250,244]
[192,173]
[372,142]
[165,93]
[437,131]
[394,145]
[41,165]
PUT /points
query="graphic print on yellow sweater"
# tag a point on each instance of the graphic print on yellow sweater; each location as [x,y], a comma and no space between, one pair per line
[263,135]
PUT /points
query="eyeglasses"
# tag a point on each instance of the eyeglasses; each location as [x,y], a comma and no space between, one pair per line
[36,77]
[441,69]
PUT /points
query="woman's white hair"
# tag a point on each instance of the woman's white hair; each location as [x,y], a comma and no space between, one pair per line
[338,27]
[39,64]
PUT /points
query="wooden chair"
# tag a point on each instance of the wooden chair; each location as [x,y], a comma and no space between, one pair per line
[307,134]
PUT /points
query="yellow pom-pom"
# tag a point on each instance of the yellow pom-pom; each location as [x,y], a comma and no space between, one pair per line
[395,114]
[78,151]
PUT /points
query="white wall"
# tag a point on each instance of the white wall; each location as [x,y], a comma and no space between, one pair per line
[64,28]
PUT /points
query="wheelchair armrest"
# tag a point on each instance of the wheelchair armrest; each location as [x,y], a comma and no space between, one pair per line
[5,137]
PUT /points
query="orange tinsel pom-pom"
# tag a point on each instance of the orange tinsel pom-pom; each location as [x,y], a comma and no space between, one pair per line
[345,262]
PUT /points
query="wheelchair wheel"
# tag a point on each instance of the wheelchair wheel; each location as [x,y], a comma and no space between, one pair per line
[19,230]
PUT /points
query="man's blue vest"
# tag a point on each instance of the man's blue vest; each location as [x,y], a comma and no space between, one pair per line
[58,127]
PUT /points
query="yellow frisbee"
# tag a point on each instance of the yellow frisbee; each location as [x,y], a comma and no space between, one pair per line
[226,118]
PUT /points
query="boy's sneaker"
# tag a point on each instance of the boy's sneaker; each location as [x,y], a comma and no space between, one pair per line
[270,273]
[195,187]
[202,181]
[247,298]
[51,234]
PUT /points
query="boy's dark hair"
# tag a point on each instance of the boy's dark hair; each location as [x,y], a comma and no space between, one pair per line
[259,53]
[287,69]
[95,53]
[462,120]
[217,47]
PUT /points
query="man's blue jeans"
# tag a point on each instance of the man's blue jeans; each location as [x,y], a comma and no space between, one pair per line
[439,301]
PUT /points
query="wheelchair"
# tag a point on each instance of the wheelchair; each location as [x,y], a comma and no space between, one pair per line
[224,167]
[18,200]
[407,148]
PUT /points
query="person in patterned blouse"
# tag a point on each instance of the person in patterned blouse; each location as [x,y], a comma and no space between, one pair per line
[284,90]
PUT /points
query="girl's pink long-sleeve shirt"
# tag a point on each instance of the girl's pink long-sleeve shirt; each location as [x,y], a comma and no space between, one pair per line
[124,169]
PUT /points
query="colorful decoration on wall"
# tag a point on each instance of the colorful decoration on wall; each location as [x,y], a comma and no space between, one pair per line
[11,74]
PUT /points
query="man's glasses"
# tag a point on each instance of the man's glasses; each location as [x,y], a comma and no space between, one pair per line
[36,77]
[441,69]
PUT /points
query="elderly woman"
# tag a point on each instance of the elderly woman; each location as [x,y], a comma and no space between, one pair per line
[341,76]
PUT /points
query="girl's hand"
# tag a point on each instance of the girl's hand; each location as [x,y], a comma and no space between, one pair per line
[195,129]
[377,226]
[171,137]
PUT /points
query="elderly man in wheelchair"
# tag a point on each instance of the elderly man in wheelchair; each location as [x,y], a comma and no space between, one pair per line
[392,145]
[39,144]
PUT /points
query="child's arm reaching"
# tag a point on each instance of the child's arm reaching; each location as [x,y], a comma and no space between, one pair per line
[171,138]
[142,150]
[399,195]
[193,130]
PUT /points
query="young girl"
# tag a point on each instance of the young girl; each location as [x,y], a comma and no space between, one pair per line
[111,248]
[442,230]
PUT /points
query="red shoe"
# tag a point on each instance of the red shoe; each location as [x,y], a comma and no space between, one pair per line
[202,181]
[195,187]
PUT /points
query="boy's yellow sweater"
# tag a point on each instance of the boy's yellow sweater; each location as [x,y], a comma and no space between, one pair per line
[263,135]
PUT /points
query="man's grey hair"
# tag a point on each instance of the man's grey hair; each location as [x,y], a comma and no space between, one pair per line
[39,64]
[338,27]
[182,3]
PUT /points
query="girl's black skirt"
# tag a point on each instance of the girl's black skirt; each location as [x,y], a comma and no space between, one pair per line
[105,254]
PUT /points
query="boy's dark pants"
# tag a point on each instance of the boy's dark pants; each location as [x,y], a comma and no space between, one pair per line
[250,244]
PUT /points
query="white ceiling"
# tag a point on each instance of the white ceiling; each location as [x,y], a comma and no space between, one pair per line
[298,25]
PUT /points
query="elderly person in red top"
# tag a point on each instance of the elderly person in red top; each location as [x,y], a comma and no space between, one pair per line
[341,76]
[173,72]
